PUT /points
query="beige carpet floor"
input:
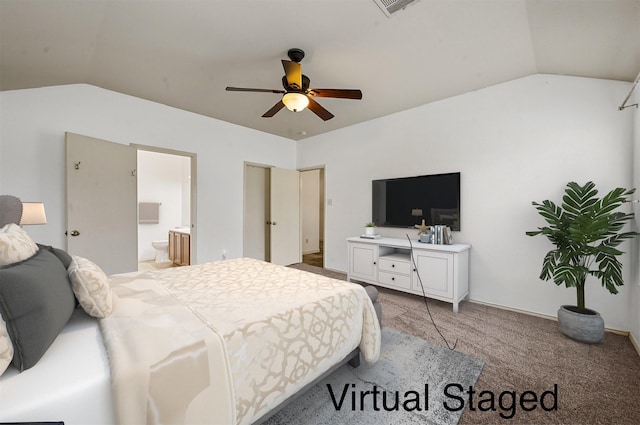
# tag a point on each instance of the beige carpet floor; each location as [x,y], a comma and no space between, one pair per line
[596,384]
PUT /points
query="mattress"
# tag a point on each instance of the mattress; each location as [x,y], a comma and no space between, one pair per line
[71,382]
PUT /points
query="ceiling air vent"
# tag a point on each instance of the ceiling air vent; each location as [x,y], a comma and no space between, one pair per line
[389,7]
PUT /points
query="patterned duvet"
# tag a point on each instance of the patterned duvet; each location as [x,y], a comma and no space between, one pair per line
[226,342]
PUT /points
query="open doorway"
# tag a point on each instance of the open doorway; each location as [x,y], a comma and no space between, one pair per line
[166,202]
[312,213]
[102,201]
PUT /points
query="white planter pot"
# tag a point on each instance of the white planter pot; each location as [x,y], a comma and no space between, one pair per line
[369,231]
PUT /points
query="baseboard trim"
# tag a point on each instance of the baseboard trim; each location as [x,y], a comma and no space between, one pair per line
[544,316]
[635,343]
[336,271]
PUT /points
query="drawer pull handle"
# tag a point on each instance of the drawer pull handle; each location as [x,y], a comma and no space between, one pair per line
[393,278]
[393,265]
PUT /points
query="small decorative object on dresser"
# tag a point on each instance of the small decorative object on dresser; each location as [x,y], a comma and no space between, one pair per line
[370,229]
[586,231]
[423,229]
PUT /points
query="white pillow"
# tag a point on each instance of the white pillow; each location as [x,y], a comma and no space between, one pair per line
[15,245]
[91,286]
[6,347]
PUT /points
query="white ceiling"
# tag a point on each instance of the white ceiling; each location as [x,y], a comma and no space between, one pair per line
[184,53]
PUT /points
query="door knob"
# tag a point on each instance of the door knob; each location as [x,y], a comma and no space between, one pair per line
[74,233]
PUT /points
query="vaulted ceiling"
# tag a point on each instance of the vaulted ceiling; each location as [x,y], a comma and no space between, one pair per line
[184,53]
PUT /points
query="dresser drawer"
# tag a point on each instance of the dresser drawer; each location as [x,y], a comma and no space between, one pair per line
[397,280]
[393,265]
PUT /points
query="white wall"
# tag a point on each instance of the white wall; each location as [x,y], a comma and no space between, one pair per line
[634,300]
[162,178]
[513,143]
[32,127]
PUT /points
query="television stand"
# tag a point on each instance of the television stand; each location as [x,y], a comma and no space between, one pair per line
[386,262]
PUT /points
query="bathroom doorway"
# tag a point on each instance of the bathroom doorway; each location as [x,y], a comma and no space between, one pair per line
[166,201]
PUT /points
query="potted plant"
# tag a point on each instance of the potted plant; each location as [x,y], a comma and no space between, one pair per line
[585,231]
[370,229]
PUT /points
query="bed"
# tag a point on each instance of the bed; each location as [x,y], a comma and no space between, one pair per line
[70,383]
[222,342]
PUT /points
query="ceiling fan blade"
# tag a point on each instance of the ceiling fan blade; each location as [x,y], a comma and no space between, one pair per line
[255,90]
[293,72]
[319,110]
[274,110]
[337,93]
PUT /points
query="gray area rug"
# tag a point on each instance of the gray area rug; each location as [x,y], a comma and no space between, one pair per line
[406,386]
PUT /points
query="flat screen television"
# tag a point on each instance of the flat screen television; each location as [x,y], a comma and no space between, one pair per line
[406,201]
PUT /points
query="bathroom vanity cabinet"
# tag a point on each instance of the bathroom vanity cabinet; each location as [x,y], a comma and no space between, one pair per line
[179,247]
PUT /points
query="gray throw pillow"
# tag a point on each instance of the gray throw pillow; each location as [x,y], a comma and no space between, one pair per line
[60,253]
[36,302]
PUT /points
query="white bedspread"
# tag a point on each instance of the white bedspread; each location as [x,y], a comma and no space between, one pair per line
[71,382]
[225,342]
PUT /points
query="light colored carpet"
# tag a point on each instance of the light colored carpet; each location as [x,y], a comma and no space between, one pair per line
[412,372]
[597,384]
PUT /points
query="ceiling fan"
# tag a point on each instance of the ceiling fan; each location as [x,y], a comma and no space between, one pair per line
[296,94]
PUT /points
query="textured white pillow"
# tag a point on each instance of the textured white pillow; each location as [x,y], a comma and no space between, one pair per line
[15,245]
[6,347]
[91,286]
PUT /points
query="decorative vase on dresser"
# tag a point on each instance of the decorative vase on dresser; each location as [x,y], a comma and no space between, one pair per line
[370,229]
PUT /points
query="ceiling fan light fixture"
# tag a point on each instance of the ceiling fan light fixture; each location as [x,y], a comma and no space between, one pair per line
[295,102]
[297,94]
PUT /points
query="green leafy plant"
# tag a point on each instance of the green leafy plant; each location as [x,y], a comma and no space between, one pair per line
[585,231]
[370,224]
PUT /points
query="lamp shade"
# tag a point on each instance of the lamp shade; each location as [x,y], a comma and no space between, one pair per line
[295,102]
[33,213]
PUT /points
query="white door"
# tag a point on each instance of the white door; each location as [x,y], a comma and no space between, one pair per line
[256,212]
[310,208]
[285,216]
[102,203]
